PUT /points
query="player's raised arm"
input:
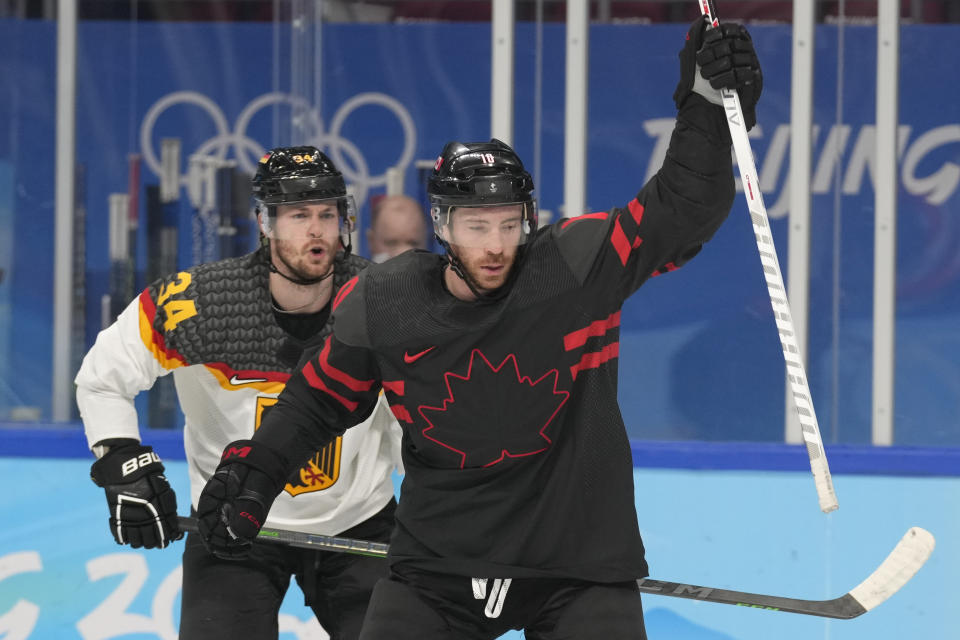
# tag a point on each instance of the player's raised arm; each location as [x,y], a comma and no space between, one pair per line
[686,201]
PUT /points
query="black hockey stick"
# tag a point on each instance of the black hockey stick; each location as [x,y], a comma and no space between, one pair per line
[309,540]
[895,571]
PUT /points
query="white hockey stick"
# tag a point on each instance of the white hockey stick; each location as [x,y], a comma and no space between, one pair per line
[895,571]
[903,562]
[796,372]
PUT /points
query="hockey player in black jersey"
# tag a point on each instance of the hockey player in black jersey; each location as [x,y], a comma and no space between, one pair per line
[499,359]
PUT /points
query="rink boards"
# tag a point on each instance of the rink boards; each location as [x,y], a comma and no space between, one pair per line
[756,529]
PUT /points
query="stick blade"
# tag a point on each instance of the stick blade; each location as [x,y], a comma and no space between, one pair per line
[900,566]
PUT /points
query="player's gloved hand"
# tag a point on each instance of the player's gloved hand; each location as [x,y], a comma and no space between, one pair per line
[235,501]
[720,58]
[143,507]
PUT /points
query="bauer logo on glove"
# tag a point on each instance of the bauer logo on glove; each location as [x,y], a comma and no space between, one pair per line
[139,462]
[143,507]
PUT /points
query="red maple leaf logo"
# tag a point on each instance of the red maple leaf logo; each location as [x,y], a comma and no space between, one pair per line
[492,412]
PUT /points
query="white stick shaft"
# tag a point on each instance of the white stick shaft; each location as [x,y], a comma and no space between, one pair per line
[796,372]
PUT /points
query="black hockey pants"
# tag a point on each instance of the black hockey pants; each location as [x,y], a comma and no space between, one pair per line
[231,599]
[419,605]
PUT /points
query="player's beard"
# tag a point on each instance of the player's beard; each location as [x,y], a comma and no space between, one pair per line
[482,278]
[300,261]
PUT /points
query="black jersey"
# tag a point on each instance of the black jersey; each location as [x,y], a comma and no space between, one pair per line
[516,456]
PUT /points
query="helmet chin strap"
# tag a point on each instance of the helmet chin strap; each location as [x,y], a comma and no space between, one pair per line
[300,281]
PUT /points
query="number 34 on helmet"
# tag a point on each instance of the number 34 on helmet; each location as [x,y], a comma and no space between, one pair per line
[288,175]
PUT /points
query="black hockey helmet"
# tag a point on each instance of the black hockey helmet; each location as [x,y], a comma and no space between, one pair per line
[297,174]
[288,175]
[477,174]
[474,175]
[480,174]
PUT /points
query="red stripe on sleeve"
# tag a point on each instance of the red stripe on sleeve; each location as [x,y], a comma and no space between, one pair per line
[168,357]
[600,215]
[620,243]
[579,337]
[636,210]
[314,381]
[400,413]
[594,359]
[396,386]
[665,269]
[344,291]
[341,376]
[146,303]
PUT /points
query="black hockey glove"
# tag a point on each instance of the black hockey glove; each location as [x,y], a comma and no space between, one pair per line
[235,501]
[726,59]
[143,507]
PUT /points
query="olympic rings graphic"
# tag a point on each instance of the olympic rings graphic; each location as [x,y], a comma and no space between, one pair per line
[247,151]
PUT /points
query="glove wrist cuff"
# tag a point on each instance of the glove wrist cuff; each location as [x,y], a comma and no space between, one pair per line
[258,456]
[125,464]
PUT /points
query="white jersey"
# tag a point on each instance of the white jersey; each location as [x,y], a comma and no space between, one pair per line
[213,327]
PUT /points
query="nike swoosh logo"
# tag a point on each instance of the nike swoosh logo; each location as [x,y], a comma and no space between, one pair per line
[410,359]
[234,380]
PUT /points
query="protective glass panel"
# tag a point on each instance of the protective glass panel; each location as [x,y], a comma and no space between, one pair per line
[176,102]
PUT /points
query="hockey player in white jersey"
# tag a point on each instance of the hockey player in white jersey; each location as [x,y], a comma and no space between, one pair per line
[232,332]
